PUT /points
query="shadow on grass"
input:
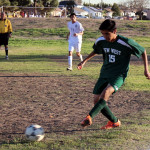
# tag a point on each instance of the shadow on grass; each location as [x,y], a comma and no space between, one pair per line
[23,140]
[54,58]
[41,58]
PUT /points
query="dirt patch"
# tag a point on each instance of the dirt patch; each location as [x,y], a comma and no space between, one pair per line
[32,98]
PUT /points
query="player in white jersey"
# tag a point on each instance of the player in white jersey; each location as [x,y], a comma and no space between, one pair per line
[74,38]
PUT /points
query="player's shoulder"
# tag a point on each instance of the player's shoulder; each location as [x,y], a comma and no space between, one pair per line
[69,22]
[77,22]
[100,39]
[7,20]
[124,41]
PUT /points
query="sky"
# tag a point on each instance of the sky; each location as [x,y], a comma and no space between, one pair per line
[104,1]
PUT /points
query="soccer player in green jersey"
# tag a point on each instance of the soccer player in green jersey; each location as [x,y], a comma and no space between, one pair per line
[116,51]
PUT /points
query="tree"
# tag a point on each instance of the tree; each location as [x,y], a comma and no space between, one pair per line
[54,3]
[24,2]
[70,7]
[139,5]
[102,5]
[4,3]
[20,2]
[115,8]
[46,3]
[50,3]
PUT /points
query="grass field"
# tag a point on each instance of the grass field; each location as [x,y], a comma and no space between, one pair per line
[31,53]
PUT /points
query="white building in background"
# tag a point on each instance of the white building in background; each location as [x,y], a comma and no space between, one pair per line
[80,11]
[93,12]
[129,13]
[109,12]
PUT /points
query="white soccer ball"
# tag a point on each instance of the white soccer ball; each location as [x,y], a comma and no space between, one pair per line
[34,133]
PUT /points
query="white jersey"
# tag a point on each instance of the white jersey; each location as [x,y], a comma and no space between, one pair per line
[75,28]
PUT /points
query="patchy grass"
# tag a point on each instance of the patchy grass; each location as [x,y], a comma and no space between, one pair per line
[31,55]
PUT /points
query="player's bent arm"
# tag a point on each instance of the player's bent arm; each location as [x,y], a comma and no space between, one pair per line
[146,69]
[81,64]
[80,33]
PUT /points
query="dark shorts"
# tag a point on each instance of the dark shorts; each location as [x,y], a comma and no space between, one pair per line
[115,82]
[4,37]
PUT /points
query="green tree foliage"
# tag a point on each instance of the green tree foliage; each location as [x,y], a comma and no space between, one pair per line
[46,3]
[115,8]
[4,2]
[13,2]
[50,3]
[54,3]
[20,2]
[103,5]
[40,3]
[70,7]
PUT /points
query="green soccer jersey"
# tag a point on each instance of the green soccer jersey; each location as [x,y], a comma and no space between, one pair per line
[116,55]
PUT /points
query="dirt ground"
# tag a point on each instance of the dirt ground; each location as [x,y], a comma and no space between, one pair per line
[57,103]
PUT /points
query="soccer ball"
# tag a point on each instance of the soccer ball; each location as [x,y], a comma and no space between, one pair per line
[34,133]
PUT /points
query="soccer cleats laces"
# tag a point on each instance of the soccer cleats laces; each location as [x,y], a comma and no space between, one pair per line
[69,69]
[111,125]
[87,121]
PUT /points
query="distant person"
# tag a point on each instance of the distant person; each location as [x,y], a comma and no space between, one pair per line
[74,38]
[116,51]
[5,32]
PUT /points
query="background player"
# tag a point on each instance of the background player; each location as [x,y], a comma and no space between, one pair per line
[5,32]
[74,38]
[116,51]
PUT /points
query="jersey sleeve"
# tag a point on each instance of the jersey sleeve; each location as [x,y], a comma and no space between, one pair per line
[137,49]
[9,27]
[81,27]
[97,46]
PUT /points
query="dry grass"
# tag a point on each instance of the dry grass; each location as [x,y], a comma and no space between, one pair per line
[125,27]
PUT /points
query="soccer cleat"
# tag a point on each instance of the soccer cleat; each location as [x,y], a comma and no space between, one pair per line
[6,57]
[69,69]
[87,121]
[111,125]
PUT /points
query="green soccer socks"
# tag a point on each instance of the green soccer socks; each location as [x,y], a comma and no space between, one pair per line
[101,106]
[108,114]
[97,108]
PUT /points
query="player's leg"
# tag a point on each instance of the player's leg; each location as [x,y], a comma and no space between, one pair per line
[6,51]
[99,103]
[106,91]
[116,83]
[79,55]
[6,38]
[70,56]
[101,106]
[113,120]
[1,40]
[105,111]
[78,50]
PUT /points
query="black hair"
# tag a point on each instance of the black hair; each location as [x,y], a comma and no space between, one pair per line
[109,25]
[72,14]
